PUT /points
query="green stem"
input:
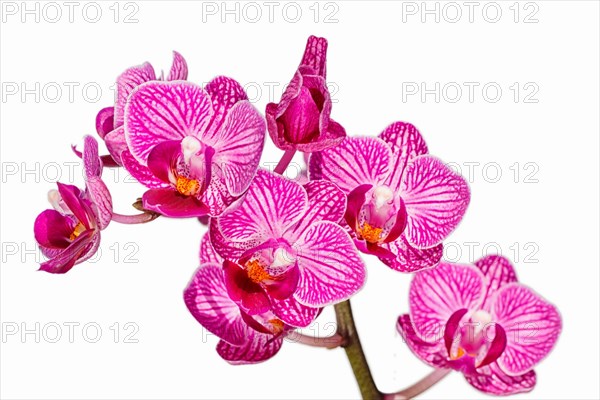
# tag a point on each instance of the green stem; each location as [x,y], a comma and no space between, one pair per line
[354,352]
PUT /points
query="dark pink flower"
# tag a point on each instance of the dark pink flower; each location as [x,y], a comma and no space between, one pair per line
[479,320]
[285,249]
[70,232]
[196,149]
[110,120]
[301,120]
[402,202]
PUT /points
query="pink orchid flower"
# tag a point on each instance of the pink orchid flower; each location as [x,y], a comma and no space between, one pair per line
[69,234]
[284,250]
[110,120]
[244,338]
[196,149]
[402,202]
[301,120]
[481,321]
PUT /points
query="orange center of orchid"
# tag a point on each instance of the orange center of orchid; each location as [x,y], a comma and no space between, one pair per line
[186,186]
[370,234]
[256,272]
[276,325]
[79,228]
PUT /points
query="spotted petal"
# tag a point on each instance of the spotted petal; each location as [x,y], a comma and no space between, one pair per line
[271,206]
[492,380]
[126,84]
[258,347]
[354,162]
[435,294]
[436,199]
[498,272]
[330,268]
[532,327]
[142,173]
[207,300]
[406,143]
[159,111]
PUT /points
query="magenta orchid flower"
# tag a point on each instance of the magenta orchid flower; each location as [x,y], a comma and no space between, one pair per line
[284,250]
[301,120]
[69,233]
[402,202]
[110,120]
[481,321]
[196,149]
[244,338]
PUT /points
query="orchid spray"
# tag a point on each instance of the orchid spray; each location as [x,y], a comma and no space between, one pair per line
[277,251]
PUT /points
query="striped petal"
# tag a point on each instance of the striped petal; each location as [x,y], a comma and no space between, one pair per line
[430,351]
[436,199]
[206,298]
[142,173]
[116,143]
[271,206]
[498,271]
[258,347]
[492,380]
[294,313]
[160,111]
[224,93]
[126,84]
[105,120]
[532,327]
[207,252]
[435,294]
[330,268]
[406,143]
[354,162]
[179,68]
[314,60]
[403,257]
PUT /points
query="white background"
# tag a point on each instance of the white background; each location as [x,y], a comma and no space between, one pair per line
[376,52]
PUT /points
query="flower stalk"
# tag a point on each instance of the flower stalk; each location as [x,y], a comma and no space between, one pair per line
[135,219]
[285,161]
[419,387]
[330,342]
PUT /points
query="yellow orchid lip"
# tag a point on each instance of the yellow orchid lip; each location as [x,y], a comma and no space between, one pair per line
[256,272]
[78,230]
[186,186]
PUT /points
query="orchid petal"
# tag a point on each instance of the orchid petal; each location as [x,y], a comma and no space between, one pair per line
[170,203]
[102,199]
[52,229]
[498,272]
[224,93]
[330,268]
[116,144]
[126,84]
[179,68]
[532,327]
[259,347]
[354,162]
[92,165]
[404,257]
[104,121]
[247,294]
[142,173]
[217,197]
[227,248]
[293,313]
[437,293]
[436,199]
[314,60]
[207,251]
[159,111]
[492,380]
[72,255]
[430,351]
[71,195]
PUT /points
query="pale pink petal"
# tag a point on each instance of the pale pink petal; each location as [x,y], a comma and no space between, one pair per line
[498,272]
[532,327]
[238,146]
[435,294]
[406,258]
[207,251]
[102,199]
[406,143]
[179,68]
[227,248]
[116,143]
[224,93]
[258,347]
[271,206]
[207,300]
[294,313]
[330,268]
[431,350]
[326,202]
[141,173]
[126,83]
[436,199]
[492,380]
[159,111]
[92,165]
[354,162]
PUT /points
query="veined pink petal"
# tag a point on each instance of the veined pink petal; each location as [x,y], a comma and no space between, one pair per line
[326,202]
[293,313]
[71,195]
[126,83]
[271,206]
[354,162]
[162,159]
[179,68]
[224,93]
[258,347]
[92,165]
[227,248]
[498,271]
[248,295]
[435,294]
[436,199]
[406,143]
[159,111]
[314,60]
[207,300]
[52,229]
[170,203]
[532,327]
[431,352]
[492,380]
[207,252]
[116,144]
[142,173]
[330,268]
[217,196]
[102,199]
[70,256]
[406,258]
[238,146]
[104,121]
